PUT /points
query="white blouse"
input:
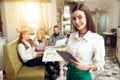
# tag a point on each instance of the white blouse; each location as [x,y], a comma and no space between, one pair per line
[26,54]
[39,45]
[89,49]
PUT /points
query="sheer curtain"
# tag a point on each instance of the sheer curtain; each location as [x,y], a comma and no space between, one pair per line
[33,15]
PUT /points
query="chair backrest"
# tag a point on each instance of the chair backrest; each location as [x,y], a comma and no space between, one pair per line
[113,30]
[12,60]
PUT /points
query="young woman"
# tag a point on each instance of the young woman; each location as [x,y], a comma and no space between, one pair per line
[40,43]
[41,40]
[28,54]
[85,45]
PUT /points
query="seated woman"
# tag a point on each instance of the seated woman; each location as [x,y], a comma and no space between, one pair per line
[28,54]
[40,43]
[40,40]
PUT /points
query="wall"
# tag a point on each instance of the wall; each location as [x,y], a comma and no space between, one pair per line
[60,9]
[114,14]
[112,7]
[3,18]
[9,19]
[119,11]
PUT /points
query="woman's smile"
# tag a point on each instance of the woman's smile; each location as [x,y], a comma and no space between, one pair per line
[79,19]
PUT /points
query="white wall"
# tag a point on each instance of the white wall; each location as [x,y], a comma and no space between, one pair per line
[92,4]
[119,11]
[113,14]
[9,19]
[3,18]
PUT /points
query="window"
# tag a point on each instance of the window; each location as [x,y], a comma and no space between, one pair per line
[66,20]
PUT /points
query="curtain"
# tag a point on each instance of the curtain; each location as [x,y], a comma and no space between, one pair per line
[34,15]
[101,22]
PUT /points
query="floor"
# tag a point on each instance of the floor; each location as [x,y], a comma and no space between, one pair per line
[112,69]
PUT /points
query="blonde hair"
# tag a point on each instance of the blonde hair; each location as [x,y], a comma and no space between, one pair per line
[40,32]
[40,35]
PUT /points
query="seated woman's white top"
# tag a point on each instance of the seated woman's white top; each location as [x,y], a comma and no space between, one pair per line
[26,54]
[40,45]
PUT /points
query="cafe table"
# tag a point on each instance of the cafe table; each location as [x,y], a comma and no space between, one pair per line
[50,55]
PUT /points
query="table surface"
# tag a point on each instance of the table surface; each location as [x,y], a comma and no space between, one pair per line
[50,54]
[108,33]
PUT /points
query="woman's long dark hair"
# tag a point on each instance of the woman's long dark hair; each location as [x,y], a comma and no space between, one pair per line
[90,24]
